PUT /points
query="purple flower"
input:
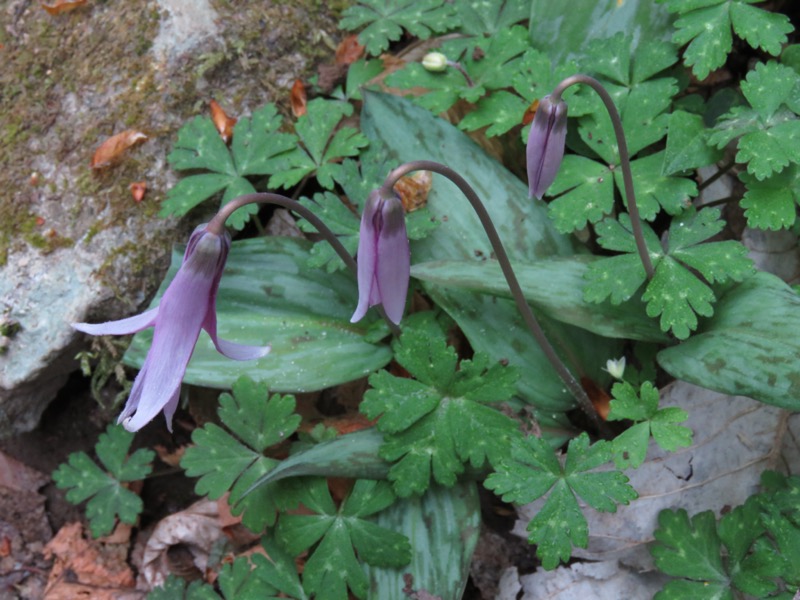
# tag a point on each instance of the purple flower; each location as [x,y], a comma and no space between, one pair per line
[188,305]
[384,259]
[546,145]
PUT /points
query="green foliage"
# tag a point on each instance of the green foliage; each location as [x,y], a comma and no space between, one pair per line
[255,145]
[534,469]
[342,537]
[706,26]
[687,144]
[676,293]
[436,423]
[385,20]
[768,138]
[103,486]
[752,550]
[585,188]
[768,130]
[234,461]
[323,145]
[357,179]
[630,447]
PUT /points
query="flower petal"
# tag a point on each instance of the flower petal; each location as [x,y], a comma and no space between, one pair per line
[545,148]
[367,257]
[181,314]
[240,351]
[394,260]
[120,327]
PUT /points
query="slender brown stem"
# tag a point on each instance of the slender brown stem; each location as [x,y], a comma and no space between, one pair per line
[511,279]
[624,158]
[217,226]
[722,170]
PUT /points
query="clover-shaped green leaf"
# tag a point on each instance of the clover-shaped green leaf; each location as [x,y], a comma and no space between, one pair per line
[706,26]
[630,447]
[385,20]
[533,469]
[234,461]
[675,294]
[322,145]
[435,424]
[256,142]
[768,131]
[713,560]
[108,498]
[342,537]
[486,67]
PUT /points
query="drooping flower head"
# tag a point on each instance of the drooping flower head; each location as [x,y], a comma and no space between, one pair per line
[187,306]
[384,258]
[545,148]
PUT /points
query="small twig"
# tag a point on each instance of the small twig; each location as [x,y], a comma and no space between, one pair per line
[511,279]
[722,171]
[624,157]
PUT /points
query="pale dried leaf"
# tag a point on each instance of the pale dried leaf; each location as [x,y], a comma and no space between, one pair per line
[111,151]
[196,528]
[735,439]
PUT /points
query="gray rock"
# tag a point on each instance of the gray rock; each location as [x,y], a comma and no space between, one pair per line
[74,245]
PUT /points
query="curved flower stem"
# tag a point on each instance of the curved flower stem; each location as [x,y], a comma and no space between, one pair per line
[624,158]
[502,257]
[217,226]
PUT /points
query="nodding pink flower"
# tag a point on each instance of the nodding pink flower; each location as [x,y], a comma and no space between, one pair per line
[384,258]
[545,148]
[187,306]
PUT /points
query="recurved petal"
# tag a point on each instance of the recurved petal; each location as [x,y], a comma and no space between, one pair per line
[394,260]
[367,255]
[120,327]
[181,314]
[545,149]
[240,351]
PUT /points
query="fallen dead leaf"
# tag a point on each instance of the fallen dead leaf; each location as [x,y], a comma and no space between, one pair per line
[18,476]
[298,98]
[530,112]
[138,189]
[85,568]
[62,6]
[735,439]
[349,50]
[414,189]
[222,121]
[113,148]
[197,529]
[173,459]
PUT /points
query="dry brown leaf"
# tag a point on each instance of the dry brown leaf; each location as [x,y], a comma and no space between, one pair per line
[112,149]
[222,121]
[298,98]
[349,50]
[600,399]
[138,189]
[197,528]
[84,568]
[530,112]
[414,189]
[171,458]
[18,476]
[62,6]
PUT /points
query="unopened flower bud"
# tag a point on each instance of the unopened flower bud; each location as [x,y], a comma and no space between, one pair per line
[546,145]
[435,62]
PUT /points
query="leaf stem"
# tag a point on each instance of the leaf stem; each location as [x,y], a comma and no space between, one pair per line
[624,157]
[217,226]
[511,279]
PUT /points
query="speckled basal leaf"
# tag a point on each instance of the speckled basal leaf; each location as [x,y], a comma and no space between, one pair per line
[555,286]
[412,133]
[269,295]
[750,347]
[443,526]
[353,455]
[562,29]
